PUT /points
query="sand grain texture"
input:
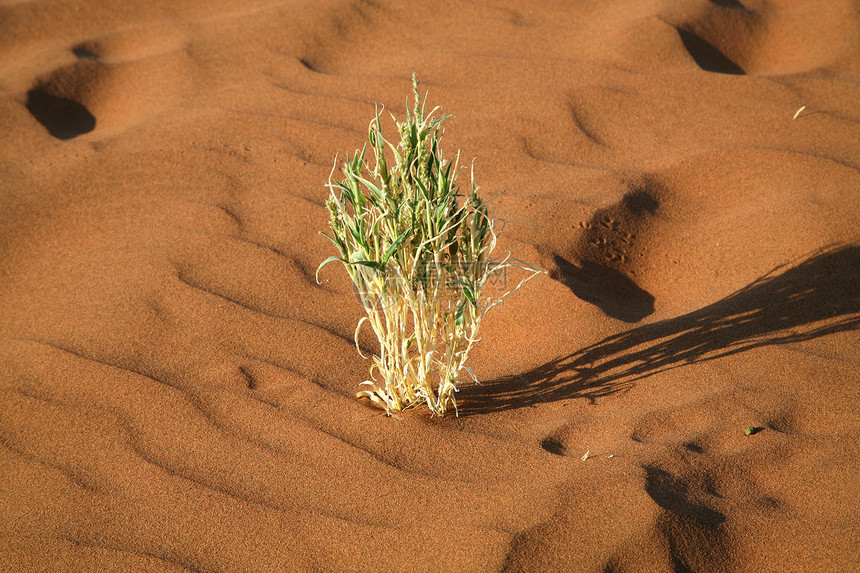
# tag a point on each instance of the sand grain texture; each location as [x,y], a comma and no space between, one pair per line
[176,390]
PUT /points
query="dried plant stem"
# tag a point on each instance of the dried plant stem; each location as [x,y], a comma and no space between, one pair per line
[418,252]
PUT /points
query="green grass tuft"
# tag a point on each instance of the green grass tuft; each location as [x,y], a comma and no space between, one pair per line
[418,251]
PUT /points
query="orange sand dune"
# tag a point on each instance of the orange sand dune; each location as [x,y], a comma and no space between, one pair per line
[178,391]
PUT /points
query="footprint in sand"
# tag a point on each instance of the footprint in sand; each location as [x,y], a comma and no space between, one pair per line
[113,82]
[63,117]
[707,56]
[606,257]
[757,38]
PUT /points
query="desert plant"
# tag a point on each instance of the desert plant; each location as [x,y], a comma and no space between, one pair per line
[418,252]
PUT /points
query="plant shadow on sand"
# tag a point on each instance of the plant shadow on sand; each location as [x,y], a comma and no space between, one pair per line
[816,297]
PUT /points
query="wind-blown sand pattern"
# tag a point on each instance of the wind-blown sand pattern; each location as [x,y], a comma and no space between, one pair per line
[178,391]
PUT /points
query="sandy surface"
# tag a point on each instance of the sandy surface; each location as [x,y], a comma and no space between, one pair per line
[177,391]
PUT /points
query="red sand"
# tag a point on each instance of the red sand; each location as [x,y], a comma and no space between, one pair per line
[178,391]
